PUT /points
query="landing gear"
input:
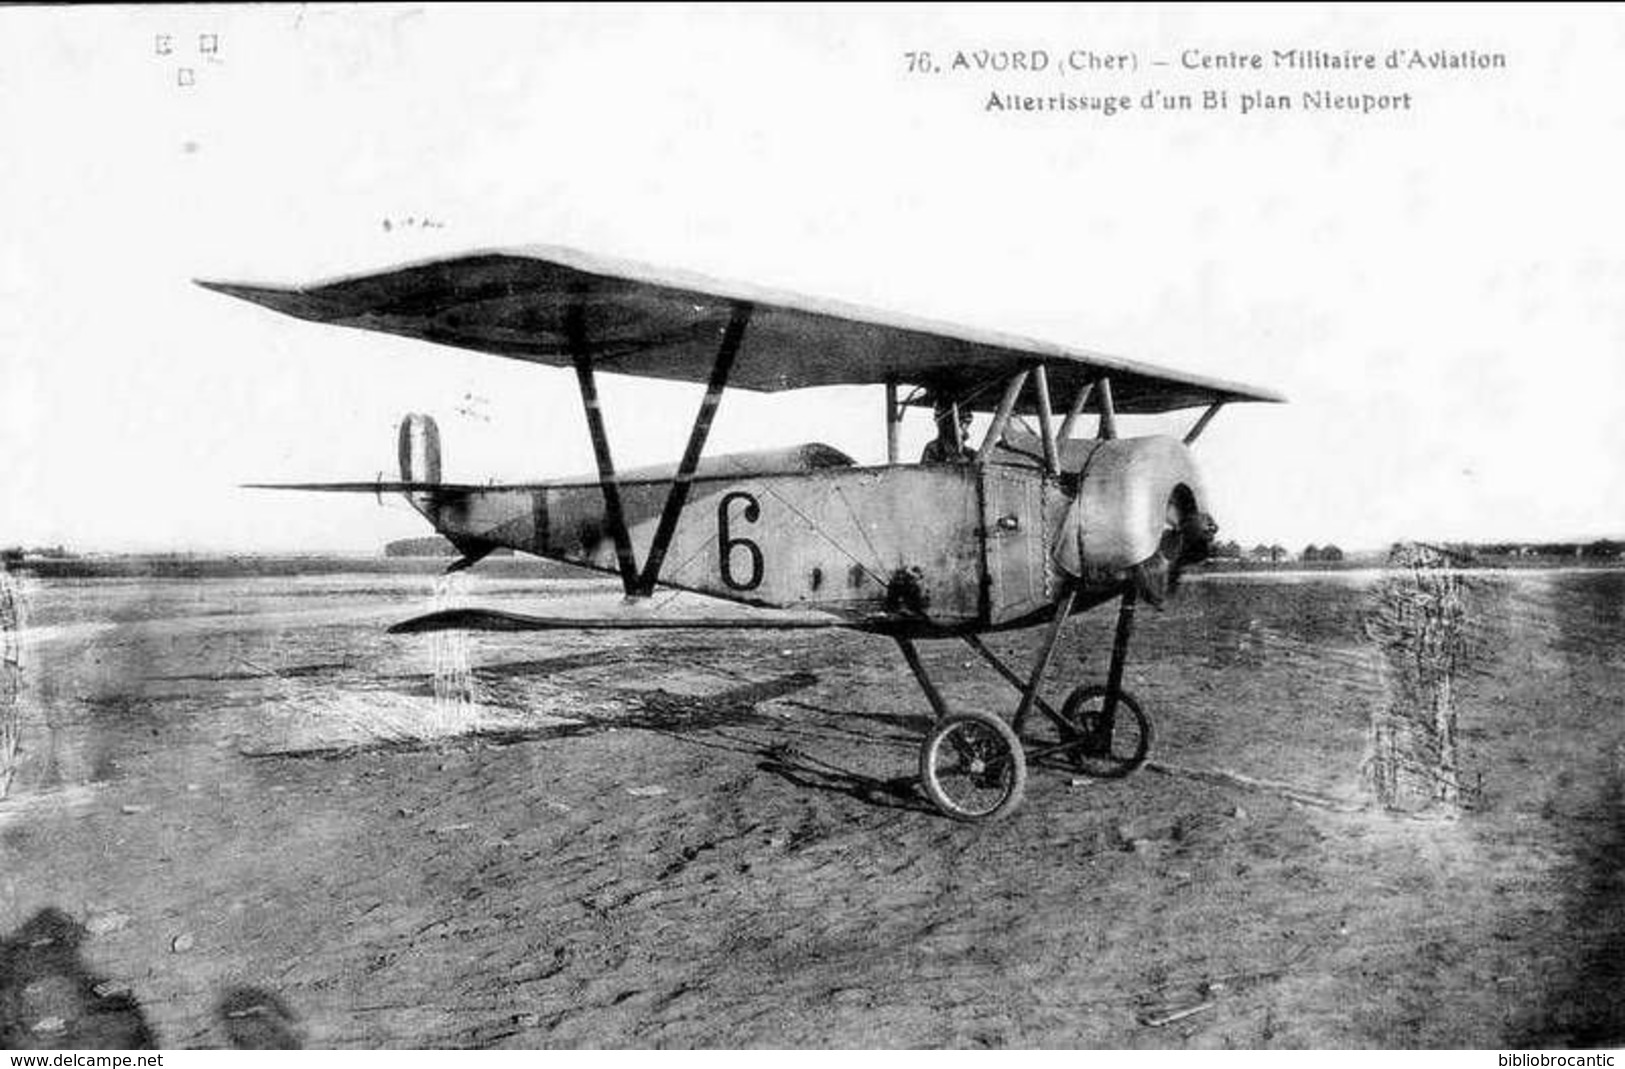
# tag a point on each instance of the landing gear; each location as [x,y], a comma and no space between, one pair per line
[1112,731]
[1107,746]
[973,765]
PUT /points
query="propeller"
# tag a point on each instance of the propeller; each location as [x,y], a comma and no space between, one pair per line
[1187,538]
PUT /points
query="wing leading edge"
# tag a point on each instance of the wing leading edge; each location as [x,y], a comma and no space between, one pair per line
[643,321]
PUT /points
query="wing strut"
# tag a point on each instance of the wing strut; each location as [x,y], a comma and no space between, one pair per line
[894,419]
[677,496]
[575,331]
[1046,416]
[1108,410]
[1001,418]
[1046,419]
[1065,433]
[636,583]
[1201,424]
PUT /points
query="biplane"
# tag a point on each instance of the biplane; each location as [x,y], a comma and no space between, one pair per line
[1037,524]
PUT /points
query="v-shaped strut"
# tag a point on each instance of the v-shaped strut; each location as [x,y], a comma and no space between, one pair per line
[642,583]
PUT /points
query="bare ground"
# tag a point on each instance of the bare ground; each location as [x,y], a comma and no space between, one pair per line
[696,840]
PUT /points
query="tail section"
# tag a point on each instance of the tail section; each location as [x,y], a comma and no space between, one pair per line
[419,448]
[419,453]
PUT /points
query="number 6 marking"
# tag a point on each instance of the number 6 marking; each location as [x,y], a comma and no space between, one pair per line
[726,545]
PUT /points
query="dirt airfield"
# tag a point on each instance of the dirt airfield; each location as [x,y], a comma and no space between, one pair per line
[243,815]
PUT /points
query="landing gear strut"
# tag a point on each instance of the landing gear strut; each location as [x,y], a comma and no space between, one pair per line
[973,765]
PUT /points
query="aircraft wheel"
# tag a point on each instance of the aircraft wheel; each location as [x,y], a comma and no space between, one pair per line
[1131,734]
[972,767]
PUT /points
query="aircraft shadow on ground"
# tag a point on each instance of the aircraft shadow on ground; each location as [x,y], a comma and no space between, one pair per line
[293,671]
[700,720]
[536,667]
[804,770]
[679,715]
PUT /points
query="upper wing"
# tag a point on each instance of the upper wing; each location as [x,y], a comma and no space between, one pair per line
[638,320]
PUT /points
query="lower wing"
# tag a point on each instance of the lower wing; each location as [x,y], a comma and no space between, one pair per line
[494,620]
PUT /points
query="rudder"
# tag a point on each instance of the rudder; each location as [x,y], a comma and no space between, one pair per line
[419,449]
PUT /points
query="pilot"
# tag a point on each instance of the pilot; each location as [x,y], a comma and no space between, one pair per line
[953,431]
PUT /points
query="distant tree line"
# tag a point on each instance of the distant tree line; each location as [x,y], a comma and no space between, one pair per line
[1274,554]
[427,546]
[431,546]
[1600,549]
[47,552]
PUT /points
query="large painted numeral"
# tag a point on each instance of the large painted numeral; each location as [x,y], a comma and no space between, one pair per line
[726,545]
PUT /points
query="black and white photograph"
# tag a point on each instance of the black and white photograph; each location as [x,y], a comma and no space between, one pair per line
[812,526]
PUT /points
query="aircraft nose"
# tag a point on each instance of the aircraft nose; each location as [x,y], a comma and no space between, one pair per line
[1199,531]
[1187,540]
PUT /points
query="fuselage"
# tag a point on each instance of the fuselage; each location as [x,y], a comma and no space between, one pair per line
[925,548]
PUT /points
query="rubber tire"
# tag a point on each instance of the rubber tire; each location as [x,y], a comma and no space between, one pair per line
[1113,766]
[981,728]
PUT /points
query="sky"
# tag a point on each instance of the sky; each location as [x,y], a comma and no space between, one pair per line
[1439,291]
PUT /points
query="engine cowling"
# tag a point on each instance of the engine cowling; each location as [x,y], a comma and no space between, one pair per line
[1137,515]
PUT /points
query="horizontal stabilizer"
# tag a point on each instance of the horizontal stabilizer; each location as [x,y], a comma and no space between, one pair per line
[785,460]
[377,486]
[494,620]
